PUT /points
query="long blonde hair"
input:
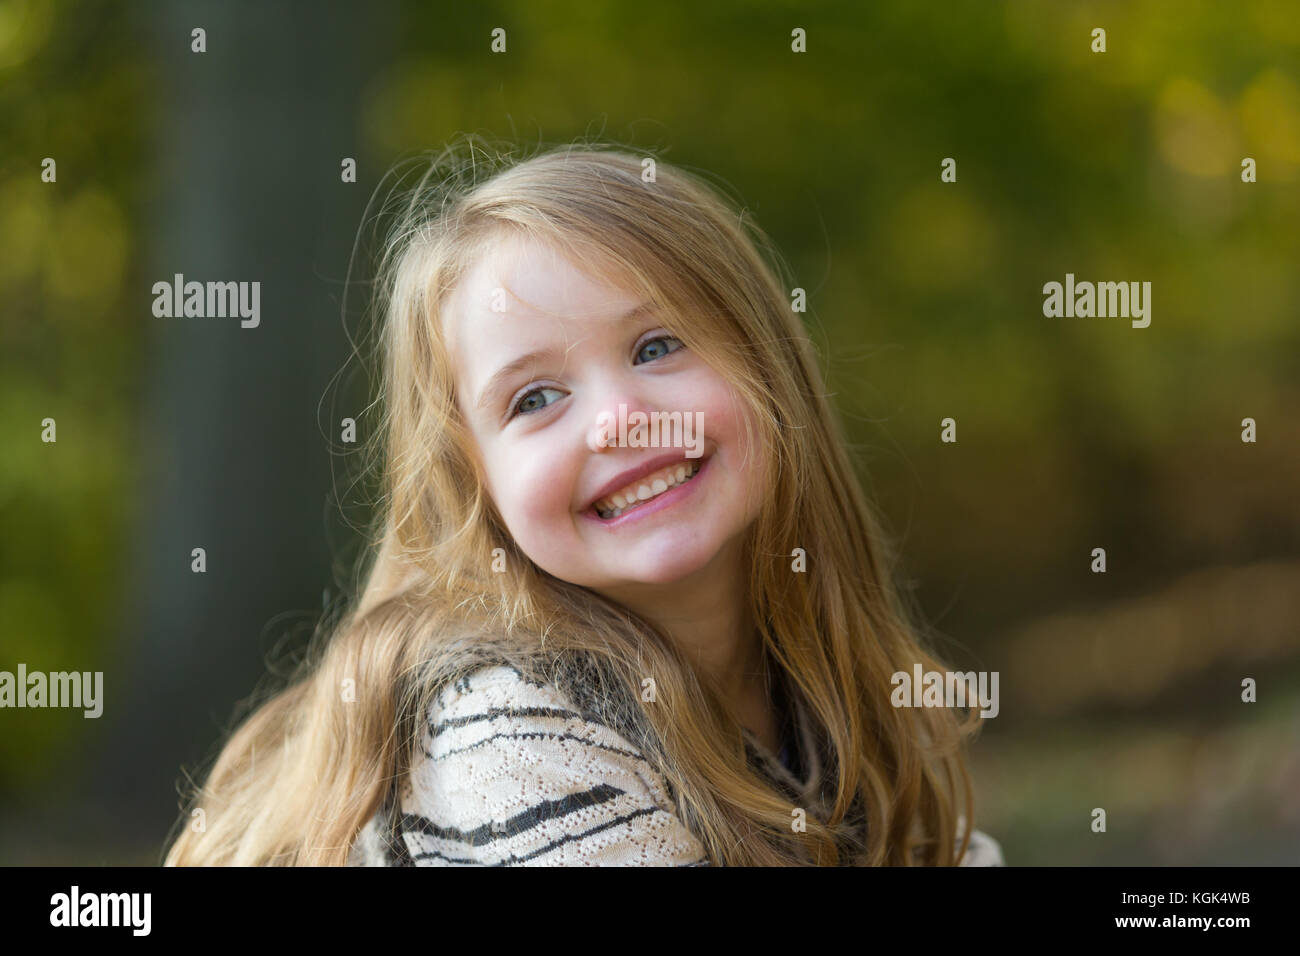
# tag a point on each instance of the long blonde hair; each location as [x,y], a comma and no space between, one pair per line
[307,768]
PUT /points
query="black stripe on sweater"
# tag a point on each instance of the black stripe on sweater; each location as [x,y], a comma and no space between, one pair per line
[520,823]
[538,733]
[513,859]
[454,722]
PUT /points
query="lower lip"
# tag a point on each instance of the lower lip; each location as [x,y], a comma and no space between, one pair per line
[669,498]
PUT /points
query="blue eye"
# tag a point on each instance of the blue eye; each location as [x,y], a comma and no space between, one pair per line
[652,342]
[526,403]
[654,349]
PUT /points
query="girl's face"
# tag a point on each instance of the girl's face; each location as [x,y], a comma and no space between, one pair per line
[544,356]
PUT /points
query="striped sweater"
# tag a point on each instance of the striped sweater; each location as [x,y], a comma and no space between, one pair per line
[514,771]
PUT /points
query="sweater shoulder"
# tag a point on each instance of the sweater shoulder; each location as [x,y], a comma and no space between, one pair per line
[982,851]
[510,771]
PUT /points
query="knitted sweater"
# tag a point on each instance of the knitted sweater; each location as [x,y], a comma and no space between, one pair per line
[514,771]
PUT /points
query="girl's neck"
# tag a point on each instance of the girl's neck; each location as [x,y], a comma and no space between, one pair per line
[708,618]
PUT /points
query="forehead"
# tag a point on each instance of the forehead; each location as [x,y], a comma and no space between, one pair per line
[531,278]
[544,294]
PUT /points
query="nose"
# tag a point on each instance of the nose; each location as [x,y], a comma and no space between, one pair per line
[609,427]
[610,397]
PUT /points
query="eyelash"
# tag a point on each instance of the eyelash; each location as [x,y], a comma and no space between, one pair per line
[515,411]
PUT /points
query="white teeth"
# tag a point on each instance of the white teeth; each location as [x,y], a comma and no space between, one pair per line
[650,486]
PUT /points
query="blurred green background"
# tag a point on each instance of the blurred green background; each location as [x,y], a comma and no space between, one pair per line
[1119,690]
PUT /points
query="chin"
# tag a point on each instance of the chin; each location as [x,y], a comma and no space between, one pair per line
[666,564]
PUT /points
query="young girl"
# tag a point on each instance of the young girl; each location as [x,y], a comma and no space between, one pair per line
[572,648]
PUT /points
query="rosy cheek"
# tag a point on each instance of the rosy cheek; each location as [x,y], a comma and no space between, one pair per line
[542,497]
[540,511]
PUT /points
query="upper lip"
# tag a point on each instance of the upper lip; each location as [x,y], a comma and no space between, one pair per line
[624,478]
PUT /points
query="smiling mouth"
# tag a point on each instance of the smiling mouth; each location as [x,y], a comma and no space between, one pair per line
[646,489]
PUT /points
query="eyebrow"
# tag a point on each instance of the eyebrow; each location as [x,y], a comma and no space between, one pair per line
[501,375]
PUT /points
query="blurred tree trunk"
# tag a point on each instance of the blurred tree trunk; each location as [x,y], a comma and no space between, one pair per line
[249,140]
